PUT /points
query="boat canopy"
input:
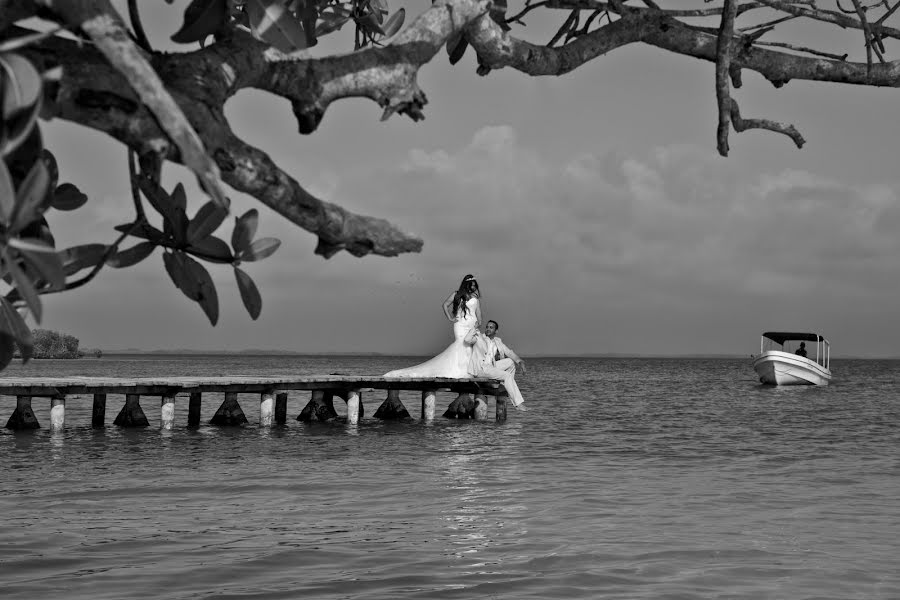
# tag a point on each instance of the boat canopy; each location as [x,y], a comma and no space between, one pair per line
[780,337]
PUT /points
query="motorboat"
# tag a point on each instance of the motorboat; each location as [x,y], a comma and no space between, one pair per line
[785,359]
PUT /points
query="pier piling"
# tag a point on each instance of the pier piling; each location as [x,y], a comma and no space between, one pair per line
[167,411]
[230,412]
[501,399]
[57,413]
[23,416]
[461,408]
[281,408]
[98,411]
[273,397]
[479,413]
[266,409]
[392,408]
[319,408]
[194,405]
[354,406]
[429,397]
[132,415]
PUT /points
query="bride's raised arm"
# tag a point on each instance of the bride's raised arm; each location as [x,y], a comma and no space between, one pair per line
[478,320]
[447,305]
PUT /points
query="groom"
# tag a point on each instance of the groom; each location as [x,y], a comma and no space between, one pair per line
[502,351]
[483,364]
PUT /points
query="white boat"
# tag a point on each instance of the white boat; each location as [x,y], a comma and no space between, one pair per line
[779,362]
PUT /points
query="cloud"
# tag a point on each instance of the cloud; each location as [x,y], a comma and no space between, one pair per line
[678,229]
[575,252]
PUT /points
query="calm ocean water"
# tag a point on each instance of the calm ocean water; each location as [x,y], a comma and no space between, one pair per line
[628,478]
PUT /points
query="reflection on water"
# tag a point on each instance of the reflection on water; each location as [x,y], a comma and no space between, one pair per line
[57,444]
[465,514]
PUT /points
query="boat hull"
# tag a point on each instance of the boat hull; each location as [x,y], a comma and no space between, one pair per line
[783,368]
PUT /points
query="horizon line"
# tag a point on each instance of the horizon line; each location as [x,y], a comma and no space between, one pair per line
[261,352]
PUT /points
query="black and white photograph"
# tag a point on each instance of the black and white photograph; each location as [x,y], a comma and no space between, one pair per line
[449,299]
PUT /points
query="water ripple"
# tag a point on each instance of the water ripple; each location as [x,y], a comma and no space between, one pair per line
[628,478]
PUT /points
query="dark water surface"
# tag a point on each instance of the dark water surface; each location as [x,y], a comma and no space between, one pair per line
[628,478]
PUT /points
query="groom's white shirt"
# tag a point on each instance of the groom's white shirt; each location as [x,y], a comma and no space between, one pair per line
[482,352]
[504,350]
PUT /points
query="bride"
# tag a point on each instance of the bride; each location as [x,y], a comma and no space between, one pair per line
[463,309]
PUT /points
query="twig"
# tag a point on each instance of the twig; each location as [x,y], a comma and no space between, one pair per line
[135,188]
[110,251]
[803,49]
[741,124]
[867,32]
[139,34]
[527,9]
[887,14]
[827,16]
[566,26]
[766,25]
[590,20]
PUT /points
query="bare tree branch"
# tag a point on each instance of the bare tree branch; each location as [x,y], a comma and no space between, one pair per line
[827,16]
[741,124]
[803,49]
[497,49]
[252,171]
[870,41]
[386,75]
[777,67]
[723,66]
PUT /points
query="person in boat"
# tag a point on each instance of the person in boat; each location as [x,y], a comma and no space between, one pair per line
[801,351]
[463,309]
[483,364]
[502,352]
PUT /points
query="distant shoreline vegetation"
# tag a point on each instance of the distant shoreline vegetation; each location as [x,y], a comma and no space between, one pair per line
[53,344]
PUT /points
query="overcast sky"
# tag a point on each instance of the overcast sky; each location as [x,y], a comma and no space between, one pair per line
[593,208]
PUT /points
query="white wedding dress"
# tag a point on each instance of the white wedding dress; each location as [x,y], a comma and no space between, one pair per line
[454,361]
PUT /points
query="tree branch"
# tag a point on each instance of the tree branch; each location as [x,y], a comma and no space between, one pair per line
[741,124]
[777,67]
[803,49]
[828,16]
[497,49]
[723,66]
[103,24]
[252,171]
[386,75]
[94,94]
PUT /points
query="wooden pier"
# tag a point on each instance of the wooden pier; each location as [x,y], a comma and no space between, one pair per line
[273,395]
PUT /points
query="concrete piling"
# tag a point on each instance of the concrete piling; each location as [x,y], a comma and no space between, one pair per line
[429,398]
[266,409]
[167,411]
[57,413]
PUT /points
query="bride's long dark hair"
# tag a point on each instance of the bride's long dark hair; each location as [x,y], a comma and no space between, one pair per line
[467,288]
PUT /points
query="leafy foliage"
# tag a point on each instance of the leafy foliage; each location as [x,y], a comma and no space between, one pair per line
[31,265]
[53,344]
[290,25]
[28,260]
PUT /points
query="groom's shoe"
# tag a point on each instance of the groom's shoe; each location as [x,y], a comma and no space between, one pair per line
[521,406]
